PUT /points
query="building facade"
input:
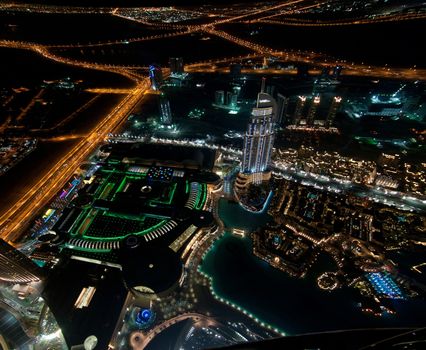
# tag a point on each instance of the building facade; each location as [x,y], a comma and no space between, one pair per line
[165,111]
[259,137]
[156,77]
[176,65]
[16,267]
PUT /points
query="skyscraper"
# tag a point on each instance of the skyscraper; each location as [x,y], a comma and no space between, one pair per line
[313,110]
[232,100]
[219,97]
[281,114]
[335,104]
[16,267]
[337,70]
[176,65]
[259,136]
[298,112]
[165,111]
[156,76]
[228,97]
[270,89]
[235,70]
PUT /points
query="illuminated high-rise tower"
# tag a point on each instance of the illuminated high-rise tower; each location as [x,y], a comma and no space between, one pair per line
[156,76]
[165,111]
[281,114]
[219,97]
[176,65]
[335,104]
[313,110]
[337,70]
[235,70]
[259,136]
[16,267]
[298,112]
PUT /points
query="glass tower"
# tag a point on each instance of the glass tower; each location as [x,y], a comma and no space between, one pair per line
[165,111]
[259,137]
[156,76]
[16,267]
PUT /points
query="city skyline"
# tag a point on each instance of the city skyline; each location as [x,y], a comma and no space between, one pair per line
[193,176]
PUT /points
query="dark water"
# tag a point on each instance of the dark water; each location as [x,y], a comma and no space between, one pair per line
[293,305]
[233,215]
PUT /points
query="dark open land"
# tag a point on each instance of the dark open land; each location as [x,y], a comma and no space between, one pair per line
[22,67]
[158,51]
[395,44]
[70,28]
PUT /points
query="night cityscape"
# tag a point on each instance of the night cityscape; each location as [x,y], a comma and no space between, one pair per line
[201,175]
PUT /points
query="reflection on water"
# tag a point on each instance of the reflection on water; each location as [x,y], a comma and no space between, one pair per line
[293,305]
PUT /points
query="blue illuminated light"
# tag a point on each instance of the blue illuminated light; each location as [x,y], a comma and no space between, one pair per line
[144,316]
[384,285]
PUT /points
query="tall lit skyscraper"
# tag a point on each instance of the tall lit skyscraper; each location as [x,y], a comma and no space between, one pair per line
[337,70]
[259,137]
[219,97]
[176,65]
[165,111]
[156,76]
[313,110]
[228,99]
[235,70]
[298,112]
[281,114]
[16,267]
[232,100]
[335,104]
[270,89]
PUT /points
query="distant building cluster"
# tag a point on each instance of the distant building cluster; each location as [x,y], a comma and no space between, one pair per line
[13,150]
[405,101]
[160,14]
[306,111]
[328,163]
[389,171]
[352,230]
[394,173]
[227,99]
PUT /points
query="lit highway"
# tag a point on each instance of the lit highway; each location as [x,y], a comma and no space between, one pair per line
[320,60]
[49,184]
[122,41]
[295,10]
[288,21]
[188,300]
[20,213]
[306,57]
